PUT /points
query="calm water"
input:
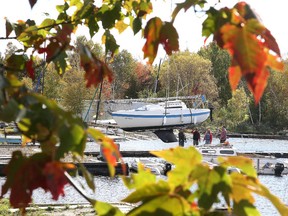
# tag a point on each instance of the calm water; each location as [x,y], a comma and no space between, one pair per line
[106,188]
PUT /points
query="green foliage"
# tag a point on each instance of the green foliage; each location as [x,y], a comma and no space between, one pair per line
[73,92]
[4,207]
[192,186]
[124,66]
[220,60]
[236,111]
[276,100]
[187,73]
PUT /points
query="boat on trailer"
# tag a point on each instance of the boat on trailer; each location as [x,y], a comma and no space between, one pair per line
[264,165]
[166,114]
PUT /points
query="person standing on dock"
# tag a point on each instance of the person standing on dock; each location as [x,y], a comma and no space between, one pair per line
[208,137]
[223,135]
[181,137]
[196,137]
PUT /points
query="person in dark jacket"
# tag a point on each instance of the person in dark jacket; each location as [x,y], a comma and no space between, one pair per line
[181,137]
[196,137]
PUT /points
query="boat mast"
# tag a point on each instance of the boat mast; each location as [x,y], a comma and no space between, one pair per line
[157,77]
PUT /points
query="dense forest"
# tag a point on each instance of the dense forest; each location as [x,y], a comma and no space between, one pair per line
[181,74]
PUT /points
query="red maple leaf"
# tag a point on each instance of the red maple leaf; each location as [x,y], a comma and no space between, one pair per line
[55,177]
[96,70]
[30,69]
[25,174]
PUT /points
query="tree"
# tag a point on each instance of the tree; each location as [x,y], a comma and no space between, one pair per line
[185,74]
[276,100]
[124,67]
[60,133]
[144,81]
[236,111]
[220,60]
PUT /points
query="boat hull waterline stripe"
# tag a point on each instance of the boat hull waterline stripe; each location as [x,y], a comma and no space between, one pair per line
[158,116]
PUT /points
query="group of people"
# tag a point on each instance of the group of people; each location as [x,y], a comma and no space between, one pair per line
[208,136]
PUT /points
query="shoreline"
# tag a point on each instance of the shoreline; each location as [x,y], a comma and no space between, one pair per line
[258,136]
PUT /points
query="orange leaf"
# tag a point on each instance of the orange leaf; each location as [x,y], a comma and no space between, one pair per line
[250,45]
[152,35]
[249,58]
[96,70]
[234,76]
[110,151]
[257,83]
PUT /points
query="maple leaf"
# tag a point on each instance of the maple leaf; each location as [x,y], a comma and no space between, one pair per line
[169,38]
[30,69]
[251,45]
[112,155]
[58,43]
[157,32]
[9,27]
[152,34]
[55,177]
[32,3]
[23,176]
[96,70]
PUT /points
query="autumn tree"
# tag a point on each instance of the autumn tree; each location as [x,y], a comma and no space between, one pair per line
[123,65]
[186,74]
[144,80]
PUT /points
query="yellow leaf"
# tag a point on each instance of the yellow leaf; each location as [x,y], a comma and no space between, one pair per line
[121,26]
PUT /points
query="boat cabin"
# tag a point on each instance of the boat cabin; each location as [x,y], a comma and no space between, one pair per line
[217,151]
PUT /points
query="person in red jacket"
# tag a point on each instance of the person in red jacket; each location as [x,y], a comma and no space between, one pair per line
[208,137]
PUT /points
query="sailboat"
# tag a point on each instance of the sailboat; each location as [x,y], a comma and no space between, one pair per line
[166,114]
[161,118]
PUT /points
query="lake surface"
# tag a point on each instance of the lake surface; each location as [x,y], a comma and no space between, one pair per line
[113,190]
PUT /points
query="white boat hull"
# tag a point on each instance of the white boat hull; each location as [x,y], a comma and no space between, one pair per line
[158,118]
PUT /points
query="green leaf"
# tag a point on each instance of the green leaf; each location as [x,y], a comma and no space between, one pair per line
[211,182]
[62,8]
[88,177]
[186,5]
[47,22]
[243,163]
[10,111]
[71,139]
[148,192]
[60,63]
[93,26]
[137,25]
[106,209]
[110,43]
[142,177]
[9,27]
[109,16]
[16,63]
[163,205]
[245,208]
[185,161]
